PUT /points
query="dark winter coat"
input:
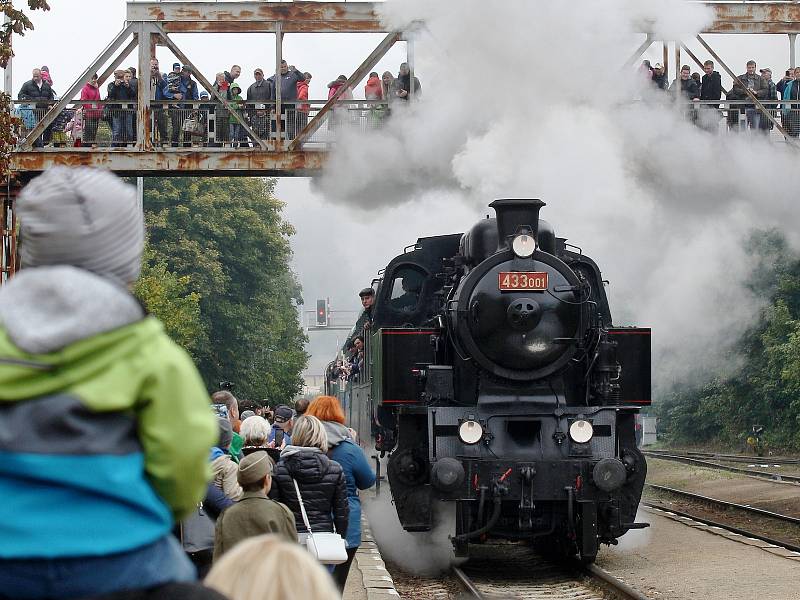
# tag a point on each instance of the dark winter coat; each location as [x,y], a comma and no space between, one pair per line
[711,87]
[403,82]
[260,91]
[289,81]
[322,486]
[689,88]
[30,91]
[759,86]
[661,81]
[120,92]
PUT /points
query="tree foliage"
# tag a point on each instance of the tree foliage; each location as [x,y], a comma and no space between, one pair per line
[228,237]
[168,296]
[764,388]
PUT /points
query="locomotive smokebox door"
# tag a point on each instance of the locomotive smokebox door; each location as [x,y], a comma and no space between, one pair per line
[633,355]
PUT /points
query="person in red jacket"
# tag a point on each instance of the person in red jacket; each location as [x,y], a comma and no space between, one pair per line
[302,109]
[92,113]
[373,90]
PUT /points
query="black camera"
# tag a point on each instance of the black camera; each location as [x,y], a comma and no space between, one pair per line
[226,385]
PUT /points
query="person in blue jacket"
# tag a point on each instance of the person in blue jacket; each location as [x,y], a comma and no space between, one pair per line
[357,471]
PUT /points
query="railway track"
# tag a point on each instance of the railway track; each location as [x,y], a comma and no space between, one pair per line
[726,506]
[742,458]
[515,572]
[715,465]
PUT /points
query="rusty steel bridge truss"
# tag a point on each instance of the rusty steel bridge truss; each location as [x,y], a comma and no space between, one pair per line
[149,24]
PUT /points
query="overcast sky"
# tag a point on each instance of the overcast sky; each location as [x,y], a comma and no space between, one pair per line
[337,249]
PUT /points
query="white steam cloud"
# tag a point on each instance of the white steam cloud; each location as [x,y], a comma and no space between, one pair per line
[429,553]
[529,99]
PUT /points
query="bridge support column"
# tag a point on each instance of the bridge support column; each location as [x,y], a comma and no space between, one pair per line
[792,48]
[8,231]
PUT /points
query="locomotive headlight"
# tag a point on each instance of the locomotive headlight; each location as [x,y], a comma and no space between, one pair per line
[581,431]
[523,245]
[470,432]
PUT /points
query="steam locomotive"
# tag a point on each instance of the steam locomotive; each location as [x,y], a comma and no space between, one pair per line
[494,379]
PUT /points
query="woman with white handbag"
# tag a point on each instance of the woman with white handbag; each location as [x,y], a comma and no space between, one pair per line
[313,487]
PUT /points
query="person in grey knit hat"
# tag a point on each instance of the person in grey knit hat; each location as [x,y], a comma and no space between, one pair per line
[87,218]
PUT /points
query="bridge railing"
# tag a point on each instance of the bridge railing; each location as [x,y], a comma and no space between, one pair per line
[197,123]
[206,124]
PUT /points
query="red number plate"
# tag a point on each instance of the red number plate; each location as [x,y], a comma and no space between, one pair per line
[522,282]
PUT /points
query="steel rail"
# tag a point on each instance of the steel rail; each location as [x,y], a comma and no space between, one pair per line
[777,460]
[467,584]
[619,587]
[724,503]
[718,466]
[603,579]
[731,528]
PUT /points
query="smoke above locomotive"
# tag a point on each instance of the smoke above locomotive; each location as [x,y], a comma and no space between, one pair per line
[492,375]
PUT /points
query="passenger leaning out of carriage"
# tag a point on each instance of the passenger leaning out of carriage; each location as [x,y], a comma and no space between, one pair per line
[358,473]
[105,428]
[367,297]
[319,480]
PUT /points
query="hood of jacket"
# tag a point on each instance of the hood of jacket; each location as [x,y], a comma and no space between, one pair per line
[90,92]
[61,323]
[306,465]
[337,433]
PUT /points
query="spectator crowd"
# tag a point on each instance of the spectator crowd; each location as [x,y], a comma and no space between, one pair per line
[703,95]
[183,115]
[122,479]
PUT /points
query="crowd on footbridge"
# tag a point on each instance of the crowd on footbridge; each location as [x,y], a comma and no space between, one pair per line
[702,97]
[183,115]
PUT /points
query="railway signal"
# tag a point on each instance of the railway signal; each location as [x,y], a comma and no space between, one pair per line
[322,313]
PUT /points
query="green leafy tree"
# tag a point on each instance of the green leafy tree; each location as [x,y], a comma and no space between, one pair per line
[227,235]
[764,388]
[168,296]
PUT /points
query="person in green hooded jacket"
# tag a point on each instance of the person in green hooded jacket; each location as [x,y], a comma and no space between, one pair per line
[105,424]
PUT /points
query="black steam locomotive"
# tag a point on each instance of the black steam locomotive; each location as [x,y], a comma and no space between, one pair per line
[493,377]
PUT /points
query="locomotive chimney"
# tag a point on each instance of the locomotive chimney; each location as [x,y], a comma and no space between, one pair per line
[514,213]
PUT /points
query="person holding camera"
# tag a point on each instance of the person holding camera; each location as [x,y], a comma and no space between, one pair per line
[159,91]
[121,114]
[281,433]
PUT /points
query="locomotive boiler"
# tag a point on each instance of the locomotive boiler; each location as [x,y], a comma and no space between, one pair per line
[494,379]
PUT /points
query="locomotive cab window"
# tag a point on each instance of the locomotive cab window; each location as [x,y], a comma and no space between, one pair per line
[406,289]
